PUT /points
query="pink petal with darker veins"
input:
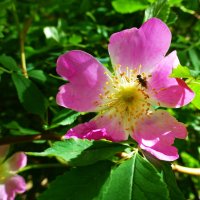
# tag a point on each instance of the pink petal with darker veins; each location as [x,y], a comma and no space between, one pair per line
[145,46]
[12,186]
[17,161]
[156,134]
[169,92]
[88,131]
[87,79]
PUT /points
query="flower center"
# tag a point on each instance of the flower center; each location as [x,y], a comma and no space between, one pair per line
[125,96]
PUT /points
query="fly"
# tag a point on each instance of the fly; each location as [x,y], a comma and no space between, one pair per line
[142,80]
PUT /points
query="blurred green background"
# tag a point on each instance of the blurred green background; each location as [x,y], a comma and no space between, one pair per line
[43,30]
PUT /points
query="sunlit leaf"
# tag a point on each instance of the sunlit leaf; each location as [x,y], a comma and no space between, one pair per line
[138,177]
[195,86]
[159,9]
[181,72]
[129,6]
[82,152]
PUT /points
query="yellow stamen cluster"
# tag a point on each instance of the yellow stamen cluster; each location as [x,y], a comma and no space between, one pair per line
[125,96]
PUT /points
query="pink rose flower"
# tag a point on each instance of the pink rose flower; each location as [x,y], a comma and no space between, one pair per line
[126,99]
[10,182]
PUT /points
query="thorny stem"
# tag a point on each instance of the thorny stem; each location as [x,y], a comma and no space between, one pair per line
[30,138]
[22,35]
[186,170]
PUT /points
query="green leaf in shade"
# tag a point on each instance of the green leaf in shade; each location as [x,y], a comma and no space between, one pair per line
[100,150]
[129,6]
[159,9]
[38,75]
[168,176]
[83,183]
[195,86]
[194,57]
[63,118]
[174,191]
[181,72]
[134,179]
[189,160]
[29,95]
[75,39]
[172,18]
[175,2]
[80,152]
[16,129]
[9,63]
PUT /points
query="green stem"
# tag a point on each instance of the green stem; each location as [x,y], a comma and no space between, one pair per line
[5,70]
[22,34]
[39,166]
[30,138]
[192,46]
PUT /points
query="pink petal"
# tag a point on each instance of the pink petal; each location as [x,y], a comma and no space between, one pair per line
[88,131]
[3,194]
[145,46]
[113,125]
[156,134]
[163,153]
[3,151]
[87,78]
[169,92]
[14,185]
[17,161]
[101,127]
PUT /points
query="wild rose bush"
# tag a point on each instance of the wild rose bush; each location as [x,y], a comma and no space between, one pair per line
[103,100]
[124,101]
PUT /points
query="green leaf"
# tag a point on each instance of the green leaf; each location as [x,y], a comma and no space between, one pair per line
[194,59]
[129,6]
[172,18]
[168,176]
[9,63]
[189,160]
[16,129]
[170,180]
[66,150]
[82,183]
[29,95]
[134,179]
[38,75]
[100,150]
[195,86]
[181,72]
[159,9]
[4,4]
[75,39]
[63,118]
[82,152]
[175,2]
